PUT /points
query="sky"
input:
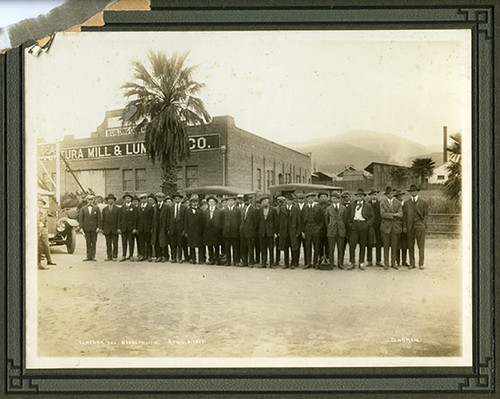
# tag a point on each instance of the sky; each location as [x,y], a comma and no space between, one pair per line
[287,86]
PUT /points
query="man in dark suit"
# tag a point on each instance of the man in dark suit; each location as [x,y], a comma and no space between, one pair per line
[323,203]
[145,220]
[267,228]
[373,200]
[345,199]
[231,220]
[176,213]
[280,202]
[360,218]
[336,221]
[289,230]
[248,231]
[301,202]
[162,240]
[128,226]
[109,227]
[391,212]
[311,224]
[212,230]
[193,229]
[416,214]
[90,221]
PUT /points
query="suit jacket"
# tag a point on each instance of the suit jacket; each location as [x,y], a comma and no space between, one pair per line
[249,223]
[193,227]
[392,216]
[176,222]
[415,213]
[162,224]
[110,219]
[267,227]
[212,227]
[366,212]
[376,210]
[311,219]
[289,227]
[128,218]
[145,219]
[323,207]
[90,221]
[231,221]
[336,221]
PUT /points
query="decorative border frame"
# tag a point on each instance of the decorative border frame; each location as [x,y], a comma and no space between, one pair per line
[243,15]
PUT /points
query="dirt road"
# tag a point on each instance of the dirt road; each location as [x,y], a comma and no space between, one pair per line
[183,310]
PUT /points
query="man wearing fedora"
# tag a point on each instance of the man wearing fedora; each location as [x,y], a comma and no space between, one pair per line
[345,199]
[376,241]
[401,255]
[176,213]
[415,225]
[145,221]
[212,230]
[289,230]
[267,228]
[335,222]
[109,227]
[280,202]
[231,220]
[361,218]
[323,203]
[391,213]
[311,224]
[248,232]
[162,239]
[127,226]
[90,221]
[193,229]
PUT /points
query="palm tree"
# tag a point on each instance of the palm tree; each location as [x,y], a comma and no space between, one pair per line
[423,168]
[163,104]
[453,186]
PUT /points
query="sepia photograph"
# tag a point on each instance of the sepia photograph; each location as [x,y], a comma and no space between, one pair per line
[249,199]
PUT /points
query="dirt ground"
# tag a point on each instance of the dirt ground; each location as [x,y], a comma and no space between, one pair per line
[115,309]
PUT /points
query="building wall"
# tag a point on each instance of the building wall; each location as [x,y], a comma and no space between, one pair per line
[249,155]
[382,178]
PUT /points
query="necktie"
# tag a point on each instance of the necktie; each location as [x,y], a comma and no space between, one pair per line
[176,211]
[359,205]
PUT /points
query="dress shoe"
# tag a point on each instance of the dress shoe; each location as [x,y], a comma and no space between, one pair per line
[341,266]
[86,260]
[421,267]
[307,267]
[51,263]
[150,259]
[369,264]
[395,267]
[107,259]
[123,259]
[411,267]
[379,264]
[350,266]
[159,259]
[361,266]
[386,267]
[42,267]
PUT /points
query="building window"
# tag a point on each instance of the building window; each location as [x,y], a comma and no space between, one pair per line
[140,179]
[191,176]
[180,177]
[280,179]
[128,179]
[440,177]
[271,180]
[303,179]
[259,179]
[288,178]
[269,184]
[297,179]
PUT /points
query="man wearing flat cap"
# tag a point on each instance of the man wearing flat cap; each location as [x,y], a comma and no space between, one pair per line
[311,224]
[361,218]
[90,221]
[375,239]
[176,216]
[109,227]
[391,213]
[415,224]
[128,226]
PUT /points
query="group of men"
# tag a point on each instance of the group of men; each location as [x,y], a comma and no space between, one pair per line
[235,231]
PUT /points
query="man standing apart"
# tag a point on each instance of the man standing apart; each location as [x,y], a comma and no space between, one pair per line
[90,221]
[417,211]
[361,217]
[109,227]
[335,221]
[391,213]
[128,226]
[267,231]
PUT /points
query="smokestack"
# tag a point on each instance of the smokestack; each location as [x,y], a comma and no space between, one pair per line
[445,144]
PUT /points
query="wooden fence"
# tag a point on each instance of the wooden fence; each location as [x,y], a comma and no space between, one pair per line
[445,224]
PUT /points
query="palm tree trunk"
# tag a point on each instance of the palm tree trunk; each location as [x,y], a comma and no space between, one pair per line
[169,178]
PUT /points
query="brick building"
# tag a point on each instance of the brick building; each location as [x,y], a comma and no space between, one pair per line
[112,160]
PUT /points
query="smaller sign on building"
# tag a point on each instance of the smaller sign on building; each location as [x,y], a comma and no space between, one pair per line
[47,151]
[204,142]
[118,131]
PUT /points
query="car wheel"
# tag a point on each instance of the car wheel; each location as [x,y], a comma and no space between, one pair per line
[71,241]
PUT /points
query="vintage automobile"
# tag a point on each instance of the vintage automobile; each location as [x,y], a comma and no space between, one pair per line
[302,188]
[61,223]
